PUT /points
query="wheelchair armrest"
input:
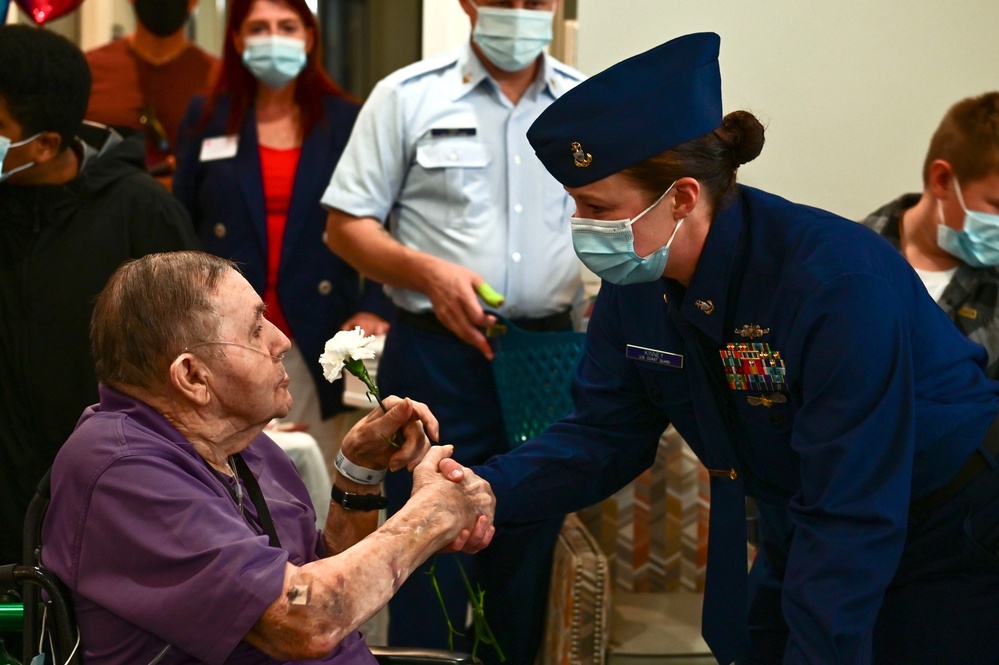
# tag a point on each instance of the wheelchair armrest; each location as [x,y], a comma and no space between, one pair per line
[416,656]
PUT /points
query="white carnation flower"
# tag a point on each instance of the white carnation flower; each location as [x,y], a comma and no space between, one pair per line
[345,346]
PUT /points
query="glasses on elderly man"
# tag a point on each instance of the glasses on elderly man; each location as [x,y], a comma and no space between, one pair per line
[276,359]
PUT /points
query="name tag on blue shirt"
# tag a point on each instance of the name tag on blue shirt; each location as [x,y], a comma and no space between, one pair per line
[452,131]
[642,354]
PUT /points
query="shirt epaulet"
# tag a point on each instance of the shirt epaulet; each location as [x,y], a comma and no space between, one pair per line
[565,70]
[432,65]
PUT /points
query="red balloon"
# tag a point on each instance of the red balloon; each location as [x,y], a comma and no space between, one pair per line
[42,11]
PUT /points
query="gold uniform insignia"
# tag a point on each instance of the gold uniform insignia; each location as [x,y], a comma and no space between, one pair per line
[705,306]
[752,331]
[580,158]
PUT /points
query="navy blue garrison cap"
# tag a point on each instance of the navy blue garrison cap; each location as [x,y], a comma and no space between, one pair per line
[631,111]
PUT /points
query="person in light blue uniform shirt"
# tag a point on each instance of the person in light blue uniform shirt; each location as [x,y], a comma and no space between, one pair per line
[800,357]
[439,156]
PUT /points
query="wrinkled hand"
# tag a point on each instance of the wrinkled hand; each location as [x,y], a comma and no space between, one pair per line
[371,324]
[449,489]
[367,442]
[456,304]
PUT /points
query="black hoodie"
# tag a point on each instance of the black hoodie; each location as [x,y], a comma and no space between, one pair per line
[58,246]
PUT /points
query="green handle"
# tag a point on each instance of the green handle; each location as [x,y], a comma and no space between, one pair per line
[490,295]
[11,617]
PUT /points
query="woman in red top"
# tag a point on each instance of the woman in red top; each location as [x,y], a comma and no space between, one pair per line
[272,111]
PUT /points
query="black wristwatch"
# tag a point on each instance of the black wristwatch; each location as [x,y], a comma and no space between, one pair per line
[358,501]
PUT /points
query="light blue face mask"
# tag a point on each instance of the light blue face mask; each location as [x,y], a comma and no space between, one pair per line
[273,59]
[512,39]
[608,248]
[5,145]
[977,243]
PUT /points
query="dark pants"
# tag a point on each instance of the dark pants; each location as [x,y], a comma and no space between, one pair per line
[456,382]
[942,605]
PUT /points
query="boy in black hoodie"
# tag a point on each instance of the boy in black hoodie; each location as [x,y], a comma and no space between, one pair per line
[75,202]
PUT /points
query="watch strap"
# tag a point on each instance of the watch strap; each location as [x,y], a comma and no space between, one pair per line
[350,501]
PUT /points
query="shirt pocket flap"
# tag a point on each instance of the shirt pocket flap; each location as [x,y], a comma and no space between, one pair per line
[452,153]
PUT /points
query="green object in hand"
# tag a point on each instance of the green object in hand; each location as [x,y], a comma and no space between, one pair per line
[489,294]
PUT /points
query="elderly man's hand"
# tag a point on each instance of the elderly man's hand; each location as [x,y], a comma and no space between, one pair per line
[450,490]
[368,442]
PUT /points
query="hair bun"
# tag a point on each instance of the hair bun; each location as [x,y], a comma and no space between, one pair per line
[743,134]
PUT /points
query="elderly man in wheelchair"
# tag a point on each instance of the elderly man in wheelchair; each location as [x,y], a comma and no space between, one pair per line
[184,533]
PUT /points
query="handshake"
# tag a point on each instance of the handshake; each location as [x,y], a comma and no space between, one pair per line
[448,499]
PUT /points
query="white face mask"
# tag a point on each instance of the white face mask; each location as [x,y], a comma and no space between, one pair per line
[977,243]
[5,145]
[608,248]
[274,60]
[512,39]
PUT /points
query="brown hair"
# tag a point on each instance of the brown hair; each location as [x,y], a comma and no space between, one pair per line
[712,159]
[236,80]
[150,309]
[968,139]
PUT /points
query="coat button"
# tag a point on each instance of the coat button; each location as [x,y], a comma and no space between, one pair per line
[325,287]
[220,230]
[656,395]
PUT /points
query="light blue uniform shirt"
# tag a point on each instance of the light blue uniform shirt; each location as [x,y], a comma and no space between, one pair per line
[440,153]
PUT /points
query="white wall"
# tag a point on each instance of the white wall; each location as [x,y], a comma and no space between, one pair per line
[445,26]
[850,90]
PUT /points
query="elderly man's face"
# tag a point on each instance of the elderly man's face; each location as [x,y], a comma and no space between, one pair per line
[250,384]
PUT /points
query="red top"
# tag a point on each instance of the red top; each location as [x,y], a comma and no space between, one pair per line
[278,167]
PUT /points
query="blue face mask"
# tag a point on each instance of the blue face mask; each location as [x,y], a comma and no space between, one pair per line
[5,145]
[977,243]
[512,39]
[273,59]
[608,249]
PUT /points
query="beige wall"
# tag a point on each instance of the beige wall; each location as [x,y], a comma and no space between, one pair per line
[850,91]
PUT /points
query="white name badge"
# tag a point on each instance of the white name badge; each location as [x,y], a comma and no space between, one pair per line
[219,147]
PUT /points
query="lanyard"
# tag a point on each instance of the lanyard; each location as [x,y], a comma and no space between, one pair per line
[255,495]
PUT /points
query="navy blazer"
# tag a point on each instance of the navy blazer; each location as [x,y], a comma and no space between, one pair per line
[318,290]
[878,399]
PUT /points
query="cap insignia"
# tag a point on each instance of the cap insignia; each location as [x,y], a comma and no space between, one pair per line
[580,158]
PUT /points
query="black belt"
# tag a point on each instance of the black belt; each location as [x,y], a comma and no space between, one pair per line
[429,321]
[974,466]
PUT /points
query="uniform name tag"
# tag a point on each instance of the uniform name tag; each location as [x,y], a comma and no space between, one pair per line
[453,131]
[642,354]
[219,147]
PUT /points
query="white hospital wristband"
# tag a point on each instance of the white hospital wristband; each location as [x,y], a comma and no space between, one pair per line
[358,474]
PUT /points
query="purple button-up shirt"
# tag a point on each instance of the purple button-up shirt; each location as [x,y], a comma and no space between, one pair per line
[151,543]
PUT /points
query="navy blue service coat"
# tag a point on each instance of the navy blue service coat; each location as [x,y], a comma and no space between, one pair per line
[880,401]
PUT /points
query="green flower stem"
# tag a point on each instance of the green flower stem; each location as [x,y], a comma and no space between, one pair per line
[357,368]
[451,631]
[483,633]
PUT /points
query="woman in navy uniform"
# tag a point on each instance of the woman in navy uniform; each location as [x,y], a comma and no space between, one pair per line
[802,360]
